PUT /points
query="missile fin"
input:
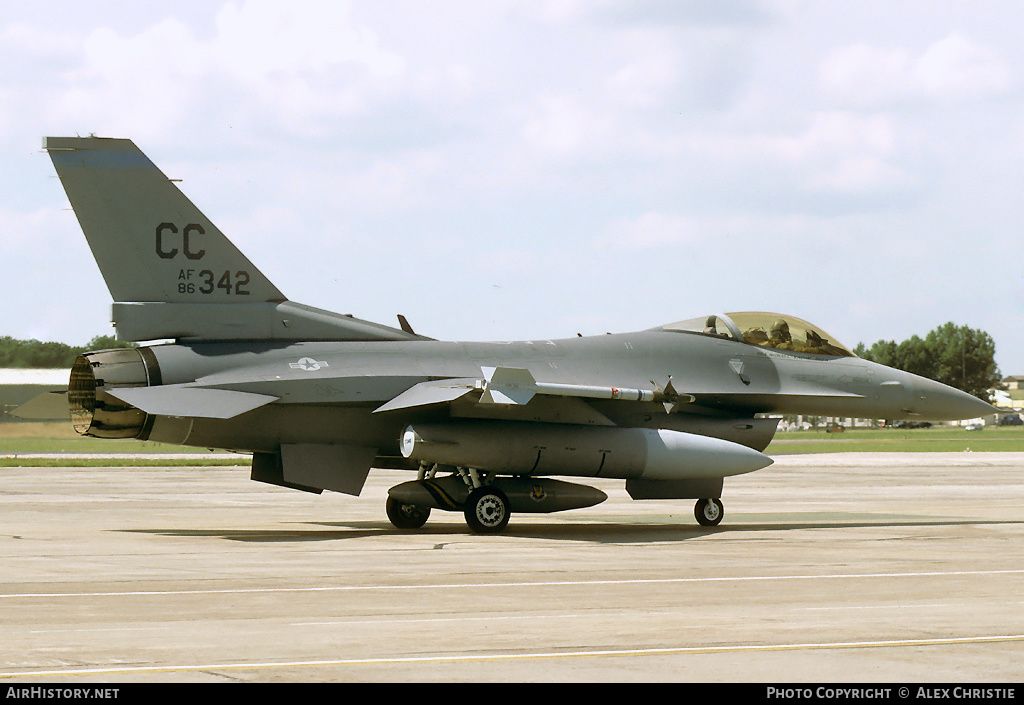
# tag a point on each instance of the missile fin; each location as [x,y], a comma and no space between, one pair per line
[507,385]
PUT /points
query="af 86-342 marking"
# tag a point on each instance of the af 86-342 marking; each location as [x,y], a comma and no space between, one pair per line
[202,282]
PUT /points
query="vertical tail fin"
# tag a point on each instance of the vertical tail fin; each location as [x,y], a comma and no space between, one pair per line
[170,271]
[150,242]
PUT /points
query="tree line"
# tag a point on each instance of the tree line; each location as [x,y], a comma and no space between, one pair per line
[36,354]
[959,356]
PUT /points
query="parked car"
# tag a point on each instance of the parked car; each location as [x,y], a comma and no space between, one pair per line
[1010,420]
[912,424]
[974,427]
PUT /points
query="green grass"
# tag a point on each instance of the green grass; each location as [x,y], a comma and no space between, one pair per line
[941,439]
[9,446]
[18,439]
[108,462]
[33,438]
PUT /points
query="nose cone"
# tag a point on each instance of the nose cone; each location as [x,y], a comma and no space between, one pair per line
[938,402]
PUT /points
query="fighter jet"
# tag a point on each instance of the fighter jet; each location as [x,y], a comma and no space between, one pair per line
[320,398]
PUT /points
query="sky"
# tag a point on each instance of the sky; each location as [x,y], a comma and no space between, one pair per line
[531,169]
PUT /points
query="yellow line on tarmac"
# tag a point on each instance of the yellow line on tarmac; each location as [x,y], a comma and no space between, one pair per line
[518,656]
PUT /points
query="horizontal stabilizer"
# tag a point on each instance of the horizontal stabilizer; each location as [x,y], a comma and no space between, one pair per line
[433,392]
[48,405]
[198,402]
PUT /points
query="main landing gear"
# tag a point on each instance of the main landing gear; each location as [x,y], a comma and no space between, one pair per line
[487,508]
[709,512]
[406,516]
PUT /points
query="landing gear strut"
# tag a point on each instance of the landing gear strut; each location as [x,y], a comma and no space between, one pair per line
[709,512]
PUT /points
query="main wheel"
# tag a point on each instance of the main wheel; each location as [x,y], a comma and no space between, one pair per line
[406,516]
[709,512]
[487,510]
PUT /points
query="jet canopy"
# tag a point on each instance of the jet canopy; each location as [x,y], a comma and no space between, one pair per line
[766,330]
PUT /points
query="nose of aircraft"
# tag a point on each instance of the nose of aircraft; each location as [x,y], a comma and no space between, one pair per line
[938,402]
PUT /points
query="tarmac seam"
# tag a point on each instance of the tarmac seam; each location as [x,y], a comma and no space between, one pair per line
[544,583]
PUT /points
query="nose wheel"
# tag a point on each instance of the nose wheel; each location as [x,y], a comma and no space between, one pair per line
[709,512]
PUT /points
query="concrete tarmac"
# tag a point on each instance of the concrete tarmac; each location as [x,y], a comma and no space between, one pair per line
[895,568]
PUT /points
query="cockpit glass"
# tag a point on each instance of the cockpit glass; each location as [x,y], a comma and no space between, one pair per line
[766,330]
[714,326]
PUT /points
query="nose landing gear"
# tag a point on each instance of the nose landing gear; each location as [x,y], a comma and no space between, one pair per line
[709,512]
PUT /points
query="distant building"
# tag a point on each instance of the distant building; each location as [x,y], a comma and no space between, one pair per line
[1014,382]
[1011,397]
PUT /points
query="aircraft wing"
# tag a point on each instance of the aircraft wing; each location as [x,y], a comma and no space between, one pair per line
[506,386]
[513,393]
[182,400]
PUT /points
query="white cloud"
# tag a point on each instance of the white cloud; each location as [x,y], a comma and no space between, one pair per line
[562,126]
[299,65]
[858,175]
[649,231]
[833,151]
[957,69]
[558,11]
[22,230]
[951,69]
[649,75]
[866,74]
[262,37]
[143,81]
[25,39]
